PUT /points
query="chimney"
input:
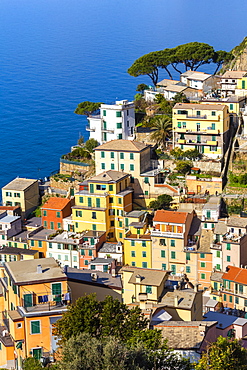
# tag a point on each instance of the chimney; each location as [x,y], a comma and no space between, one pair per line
[196,288]
[138,279]
[113,272]
[175,301]
[94,276]
[39,269]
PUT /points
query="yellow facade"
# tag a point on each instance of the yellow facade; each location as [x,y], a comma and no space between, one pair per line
[103,205]
[22,192]
[203,127]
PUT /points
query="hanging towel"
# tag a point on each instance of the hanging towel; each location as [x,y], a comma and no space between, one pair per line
[40,299]
[67,297]
[45,298]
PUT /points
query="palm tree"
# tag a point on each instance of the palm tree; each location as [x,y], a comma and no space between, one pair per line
[162,126]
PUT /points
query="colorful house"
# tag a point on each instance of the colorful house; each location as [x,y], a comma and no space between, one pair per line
[204,127]
[92,241]
[34,302]
[22,192]
[103,205]
[54,211]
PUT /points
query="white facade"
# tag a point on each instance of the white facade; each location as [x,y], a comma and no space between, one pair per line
[9,226]
[115,121]
[64,249]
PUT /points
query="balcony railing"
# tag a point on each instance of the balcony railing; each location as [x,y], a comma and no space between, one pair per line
[196,117]
[216,246]
[91,129]
[167,234]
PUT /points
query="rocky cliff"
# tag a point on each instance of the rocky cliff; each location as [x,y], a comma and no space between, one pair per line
[239,63]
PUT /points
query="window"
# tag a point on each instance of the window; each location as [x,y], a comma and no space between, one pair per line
[213,113]
[202,255]
[59,225]
[172,243]
[44,213]
[188,269]
[187,256]
[146,192]
[146,181]
[89,202]
[243,84]
[213,138]
[94,215]
[59,257]
[245,302]
[17,195]
[94,227]
[132,167]
[218,266]
[19,325]
[218,254]
[120,224]
[120,235]
[203,264]
[148,289]
[86,262]
[203,276]
[121,155]
[230,299]
[122,167]
[198,112]
[102,154]
[118,114]
[228,258]
[225,297]
[35,327]
[112,166]
[143,243]
[228,246]
[173,255]
[112,223]
[103,166]
[45,225]
[163,266]
[163,253]
[81,199]
[8,194]
[82,252]
[241,289]
[236,300]
[104,112]
[32,243]
[98,202]
[144,254]
[133,264]
[213,126]
[76,225]
[78,213]
[40,243]
[231,106]
[112,155]
[119,124]
[144,265]
[205,226]
[173,268]
[119,136]
[131,155]
[58,214]
[110,187]
[213,148]
[119,200]
[74,258]
[52,225]
[110,200]
[132,243]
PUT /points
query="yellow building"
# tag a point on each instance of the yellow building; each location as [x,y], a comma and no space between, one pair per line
[233,102]
[138,246]
[200,185]
[33,302]
[141,284]
[102,204]
[21,192]
[204,127]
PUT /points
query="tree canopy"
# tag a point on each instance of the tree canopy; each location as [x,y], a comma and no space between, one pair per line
[163,201]
[87,108]
[224,354]
[162,126]
[191,56]
[104,318]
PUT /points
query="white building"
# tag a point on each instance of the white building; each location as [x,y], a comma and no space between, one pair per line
[211,213]
[9,226]
[115,121]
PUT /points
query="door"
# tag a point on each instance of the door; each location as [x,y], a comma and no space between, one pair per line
[199,189]
[37,353]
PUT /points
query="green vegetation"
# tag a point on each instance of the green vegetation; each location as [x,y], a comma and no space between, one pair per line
[83,153]
[178,153]
[183,167]
[237,180]
[162,127]
[30,363]
[87,108]
[162,202]
[225,354]
[189,56]
[141,88]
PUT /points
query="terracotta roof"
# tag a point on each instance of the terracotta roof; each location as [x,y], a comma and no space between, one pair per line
[199,106]
[236,274]
[109,176]
[123,146]
[56,203]
[170,216]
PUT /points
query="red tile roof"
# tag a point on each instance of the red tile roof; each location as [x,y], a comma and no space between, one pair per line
[56,203]
[170,216]
[236,274]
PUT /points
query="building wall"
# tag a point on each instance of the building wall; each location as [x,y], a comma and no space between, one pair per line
[80,289]
[199,186]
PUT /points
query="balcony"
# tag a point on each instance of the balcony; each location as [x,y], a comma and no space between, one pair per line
[167,234]
[91,129]
[181,141]
[192,246]
[216,246]
[196,117]
[103,129]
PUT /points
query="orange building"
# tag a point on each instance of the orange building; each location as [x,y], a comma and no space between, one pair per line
[54,211]
[32,302]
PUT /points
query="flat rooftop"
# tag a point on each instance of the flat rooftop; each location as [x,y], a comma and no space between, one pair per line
[19,184]
[103,278]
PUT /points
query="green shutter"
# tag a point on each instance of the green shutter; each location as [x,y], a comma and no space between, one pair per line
[56,289]
[35,327]
[91,188]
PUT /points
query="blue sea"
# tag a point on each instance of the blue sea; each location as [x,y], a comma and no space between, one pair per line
[56,53]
